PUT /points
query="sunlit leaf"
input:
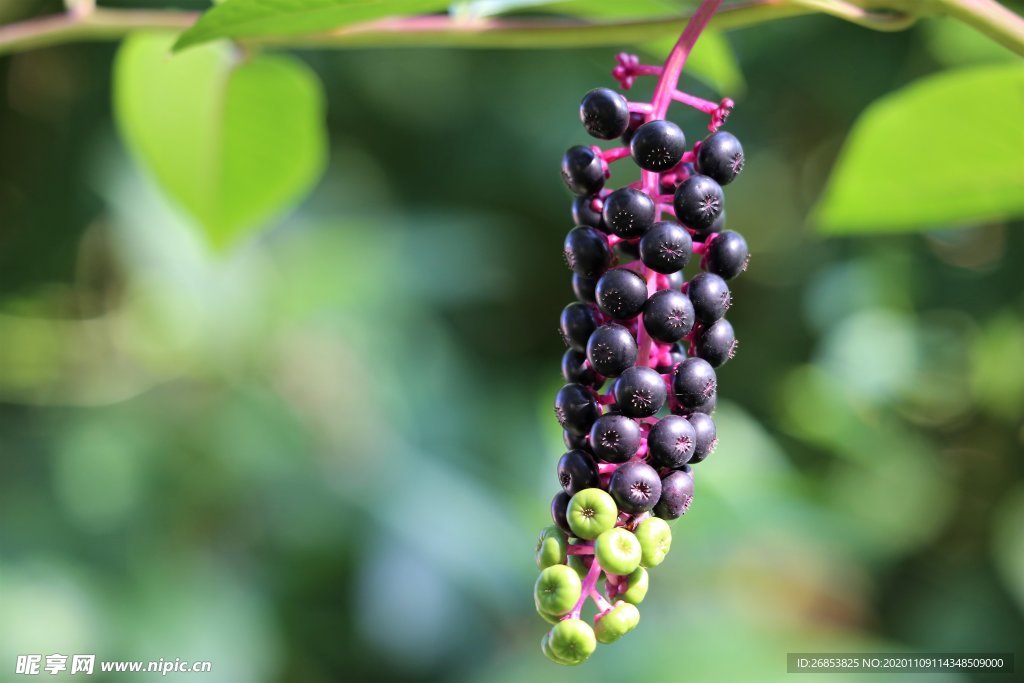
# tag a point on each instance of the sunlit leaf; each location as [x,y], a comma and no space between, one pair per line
[945,150]
[214,132]
[250,18]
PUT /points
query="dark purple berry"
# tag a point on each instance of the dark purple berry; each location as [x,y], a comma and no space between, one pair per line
[586,251]
[708,407]
[668,315]
[583,212]
[671,442]
[716,343]
[577,471]
[583,287]
[635,486]
[694,383]
[704,428]
[720,156]
[710,297]
[576,408]
[676,495]
[666,248]
[604,113]
[559,506]
[640,392]
[576,324]
[575,441]
[727,255]
[621,293]
[698,201]
[628,212]
[614,438]
[636,119]
[582,170]
[611,349]
[657,145]
[575,372]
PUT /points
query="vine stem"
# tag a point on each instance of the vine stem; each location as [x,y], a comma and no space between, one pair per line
[99,24]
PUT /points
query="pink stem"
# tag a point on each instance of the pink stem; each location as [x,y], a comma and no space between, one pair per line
[607,467]
[602,604]
[588,585]
[697,103]
[615,153]
[580,550]
[669,79]
[639,107]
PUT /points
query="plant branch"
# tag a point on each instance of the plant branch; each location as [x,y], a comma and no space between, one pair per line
[102,24]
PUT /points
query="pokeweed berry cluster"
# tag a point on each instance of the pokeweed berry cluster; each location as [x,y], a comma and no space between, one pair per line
[643,344]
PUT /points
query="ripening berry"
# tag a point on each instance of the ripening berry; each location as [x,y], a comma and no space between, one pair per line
[640,392]
[716,343]
[727,255]
[604,113]
[635,487]
[668,316]
[720,157]
[576,324]
[586,252]
[694,383]
[657,146]
[582,170]
[628,212]
[583,287]
[577,471]
[666,248]
[710,297]
[671,442]
[575,372]
[698,201]
[576,408]
[614,438]
[704,427]
[621,293]
[611,349]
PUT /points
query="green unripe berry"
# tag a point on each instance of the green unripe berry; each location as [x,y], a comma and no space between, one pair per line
[545,647]
[550,618]
[591,512]
[618,551]
[616,622]
[550,547]
[655,538]
[637,587]
[572,640]
[557,590]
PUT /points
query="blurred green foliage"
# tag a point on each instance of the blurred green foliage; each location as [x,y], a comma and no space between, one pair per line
[324,454]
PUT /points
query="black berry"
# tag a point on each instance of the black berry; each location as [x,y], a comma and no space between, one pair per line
[584,213]
[668,315]
[694,383]
[621,293]
[583,287]
[635,486]
[575,441]
[575,372]
[720,156]
[710,297]
[640,392]
[657,145]
[611,349]
[666,248]
[576,408]
[676,495]
[628,212]
[559,506]
[716,343]
[582,170]
[577,471]
[727,255]
[614,438]
[604,113]
[636,119]
[704,428]
[586,251]
[671,442]
[576,324]
[698,201]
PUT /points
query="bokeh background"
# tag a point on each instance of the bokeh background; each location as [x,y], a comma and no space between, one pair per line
[325,455]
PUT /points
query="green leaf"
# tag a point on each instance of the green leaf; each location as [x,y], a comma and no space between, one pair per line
[232,142]
[263,18]
[945,150]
